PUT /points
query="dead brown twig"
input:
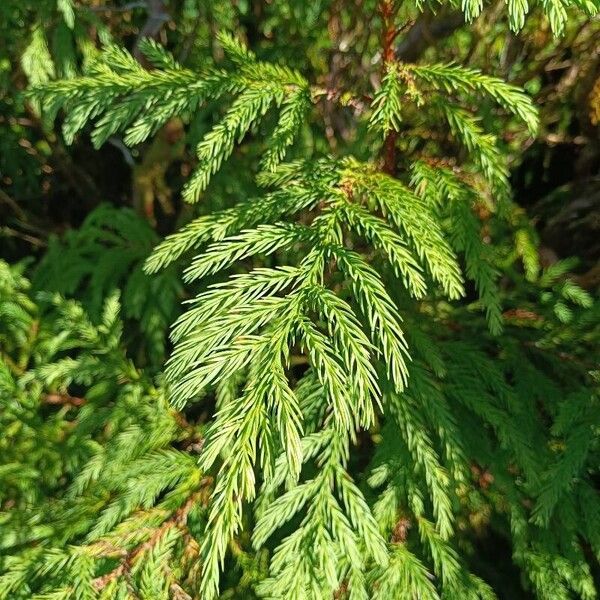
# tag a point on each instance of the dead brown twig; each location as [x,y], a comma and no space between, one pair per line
[177,520]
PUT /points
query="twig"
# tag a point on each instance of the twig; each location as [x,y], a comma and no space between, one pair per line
[10,232]
[4,197]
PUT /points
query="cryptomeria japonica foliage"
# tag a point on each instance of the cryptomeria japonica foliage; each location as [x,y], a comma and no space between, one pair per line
[362,380]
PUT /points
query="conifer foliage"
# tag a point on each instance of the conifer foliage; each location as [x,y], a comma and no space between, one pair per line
[370,391]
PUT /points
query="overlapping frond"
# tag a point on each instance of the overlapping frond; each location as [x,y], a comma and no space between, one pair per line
[121,96]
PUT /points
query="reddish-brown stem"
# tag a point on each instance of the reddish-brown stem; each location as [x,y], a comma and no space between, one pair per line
[177,519]
[386,8]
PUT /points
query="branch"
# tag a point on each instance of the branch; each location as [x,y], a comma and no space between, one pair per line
[10,232]
[157,16]
[425,33]
[6,199]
